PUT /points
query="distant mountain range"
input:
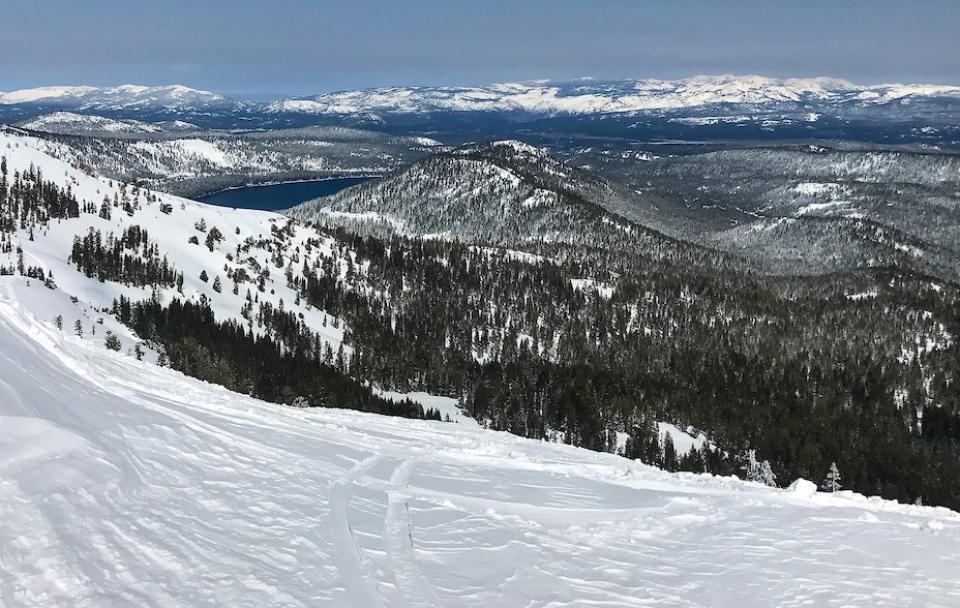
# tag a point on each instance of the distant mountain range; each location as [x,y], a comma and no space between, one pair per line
[538,97]
[612,97]
[699,109]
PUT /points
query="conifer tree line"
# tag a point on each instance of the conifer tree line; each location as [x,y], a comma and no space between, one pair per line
[28,200]
[131,258]
[225,353]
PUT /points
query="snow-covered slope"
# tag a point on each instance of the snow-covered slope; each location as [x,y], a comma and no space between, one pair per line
[503,192]
[181,158]
[249,241]
[45,94]
[592,97]
[125,484]
[168,98]
[70,123]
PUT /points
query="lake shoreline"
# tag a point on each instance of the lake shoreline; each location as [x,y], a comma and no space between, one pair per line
[277,195]
[280,182]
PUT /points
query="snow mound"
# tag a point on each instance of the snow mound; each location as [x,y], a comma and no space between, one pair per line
[803,487]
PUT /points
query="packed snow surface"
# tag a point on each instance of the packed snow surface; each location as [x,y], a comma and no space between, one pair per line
[127,484]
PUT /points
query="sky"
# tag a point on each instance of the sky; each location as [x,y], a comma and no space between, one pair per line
[262,49]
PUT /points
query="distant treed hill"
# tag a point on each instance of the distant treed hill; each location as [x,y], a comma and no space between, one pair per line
[801,210]
[776,211]
[203,161]
[508,194]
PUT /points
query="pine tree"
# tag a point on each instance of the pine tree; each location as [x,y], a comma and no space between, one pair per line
[831,482]
[760,471]
[78,328]
[58,322]
[111,341]
[203,276]
[669,453]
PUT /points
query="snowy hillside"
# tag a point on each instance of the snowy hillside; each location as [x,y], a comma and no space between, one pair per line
[594,97]
[129,484]
[176,157]
[225,243]
[503,192]
[69,123]
[169,98]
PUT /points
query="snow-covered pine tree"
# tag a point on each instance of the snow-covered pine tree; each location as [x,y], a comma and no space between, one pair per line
[831,482]
[760,471]
[112,342]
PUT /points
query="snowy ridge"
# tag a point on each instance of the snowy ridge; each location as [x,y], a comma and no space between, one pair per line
[590,97]
[44,93]
[70,123]
[120,476]
[124,97]
[504,192]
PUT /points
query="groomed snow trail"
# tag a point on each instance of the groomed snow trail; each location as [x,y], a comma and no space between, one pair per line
[125,484]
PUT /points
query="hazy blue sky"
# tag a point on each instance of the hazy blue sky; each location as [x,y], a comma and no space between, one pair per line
[296,47]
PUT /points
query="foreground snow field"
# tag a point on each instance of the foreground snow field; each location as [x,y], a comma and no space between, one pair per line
[126,484]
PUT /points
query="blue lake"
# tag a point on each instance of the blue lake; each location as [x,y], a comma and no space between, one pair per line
[274,197]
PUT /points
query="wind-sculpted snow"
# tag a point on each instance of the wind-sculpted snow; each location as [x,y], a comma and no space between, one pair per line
[126,484]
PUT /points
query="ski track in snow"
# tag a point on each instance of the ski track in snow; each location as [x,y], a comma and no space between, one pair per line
[126,484]
[398,530]
[347,552]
